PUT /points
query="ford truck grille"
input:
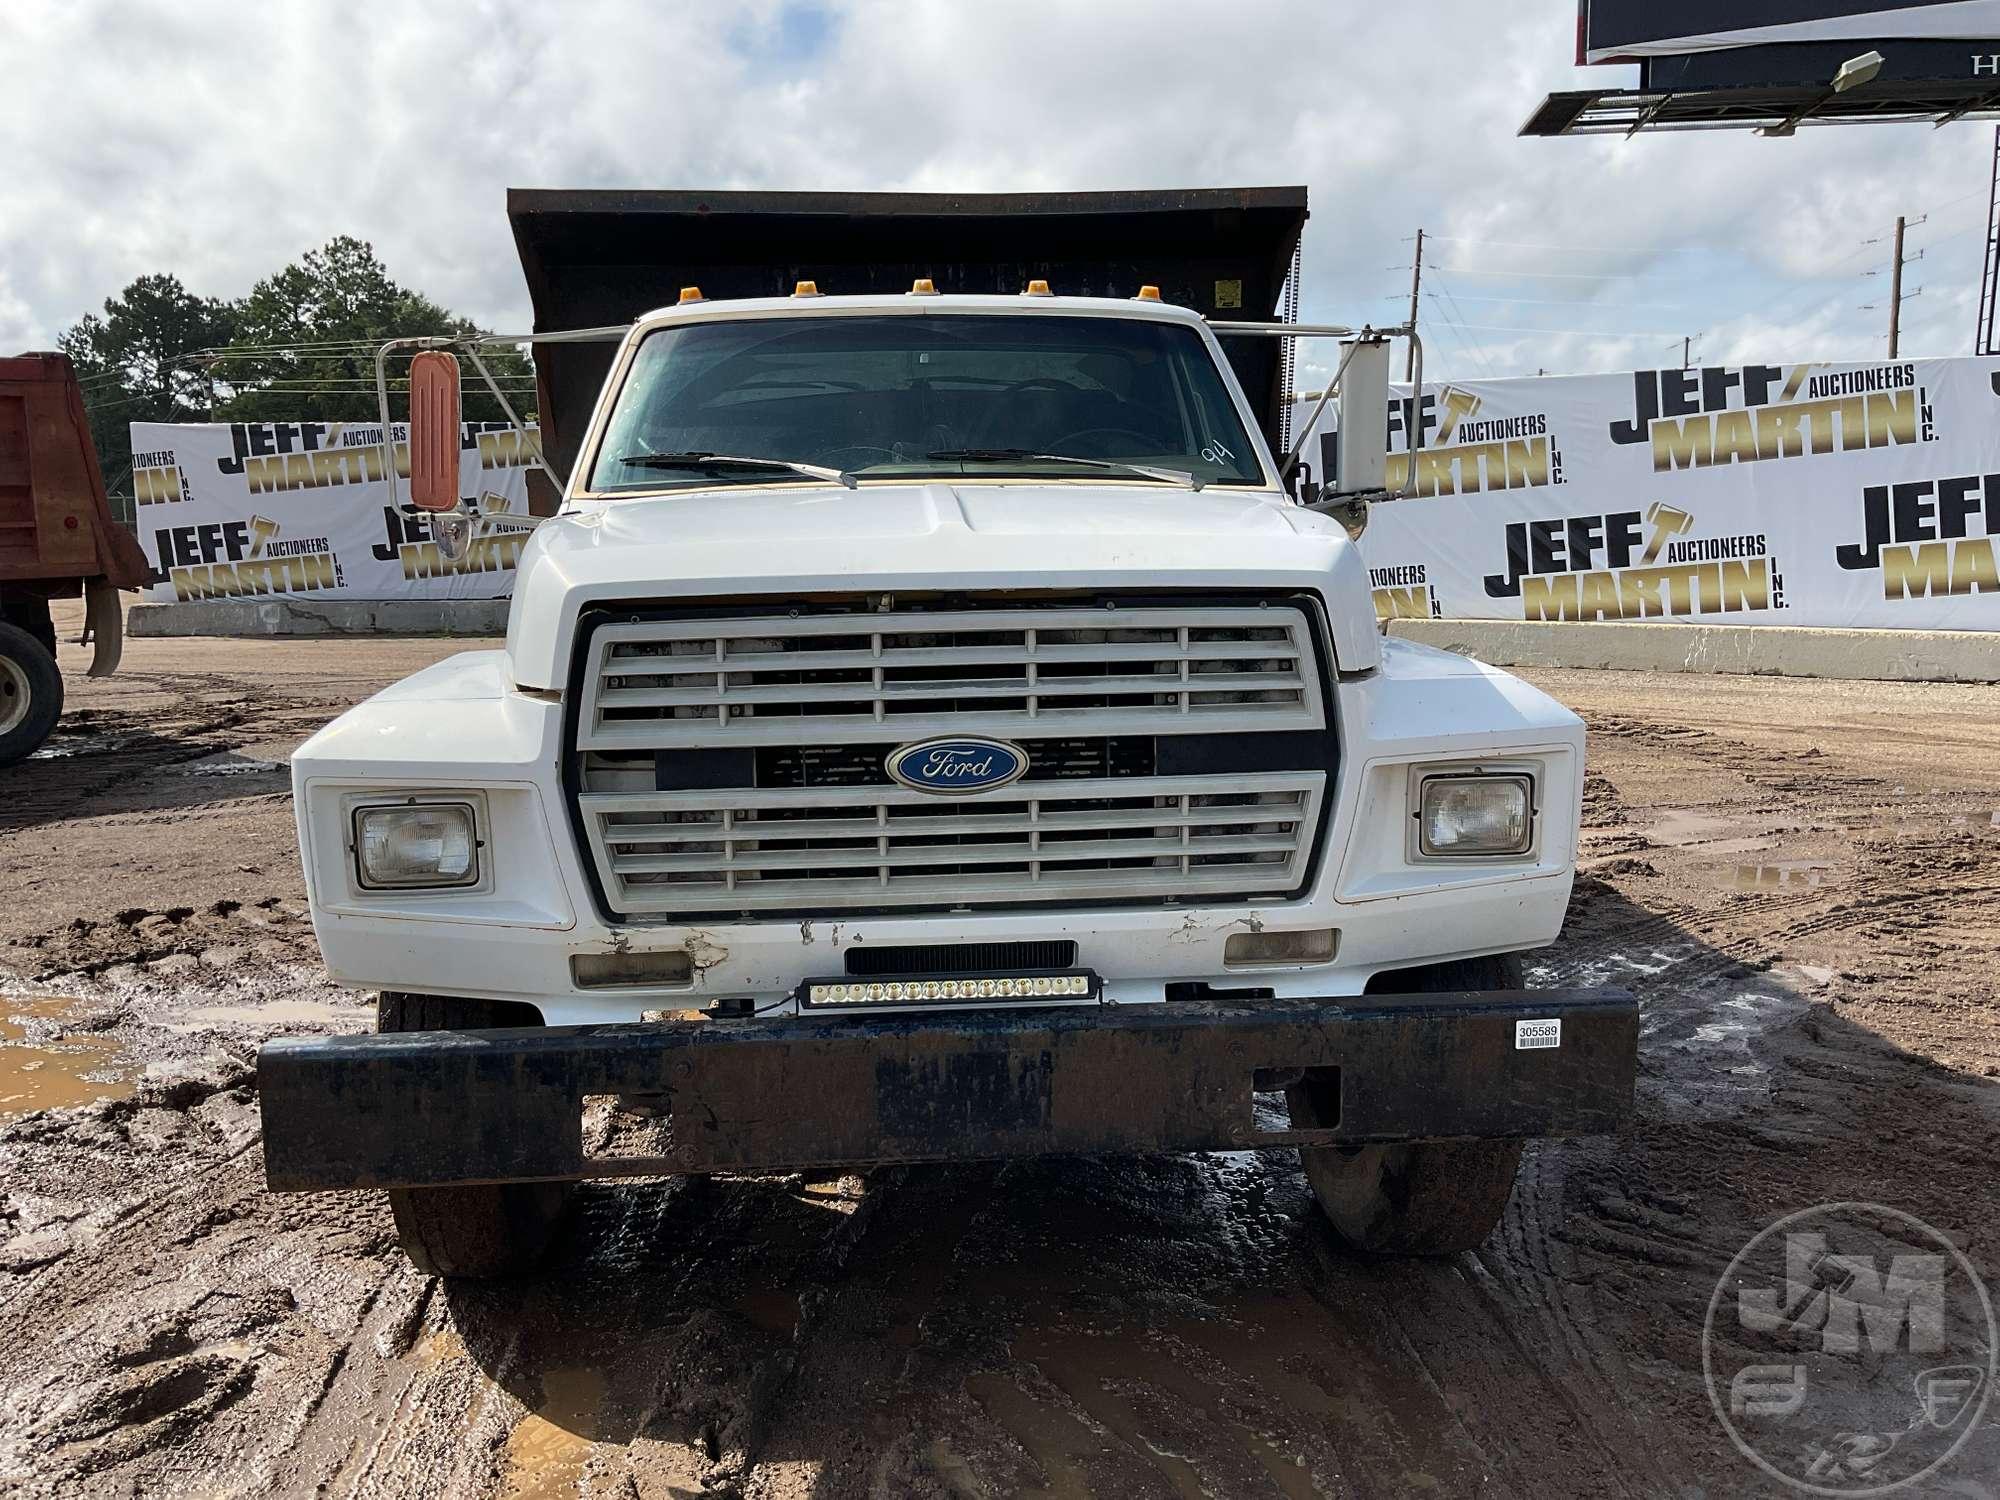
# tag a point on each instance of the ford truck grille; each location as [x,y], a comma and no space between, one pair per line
[898,676]
[735,765]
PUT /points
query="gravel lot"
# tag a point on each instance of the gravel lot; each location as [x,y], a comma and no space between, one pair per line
[1799,878]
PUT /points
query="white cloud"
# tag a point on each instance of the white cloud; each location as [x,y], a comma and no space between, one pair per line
[219,141]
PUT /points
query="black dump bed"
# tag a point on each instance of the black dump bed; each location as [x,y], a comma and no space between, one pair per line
[604,257]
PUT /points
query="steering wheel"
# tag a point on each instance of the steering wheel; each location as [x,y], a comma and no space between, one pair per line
[1146,443]
[999,427]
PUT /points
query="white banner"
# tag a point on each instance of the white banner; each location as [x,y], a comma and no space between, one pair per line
[249,509]
[1822,494]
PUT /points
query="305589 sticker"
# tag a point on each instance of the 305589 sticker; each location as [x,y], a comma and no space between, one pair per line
[1532,1034]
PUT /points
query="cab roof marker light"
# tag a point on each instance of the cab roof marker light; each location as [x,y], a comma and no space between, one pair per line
[923,286]
[1148,293]
[691,294]
[1038,288]
[806,289]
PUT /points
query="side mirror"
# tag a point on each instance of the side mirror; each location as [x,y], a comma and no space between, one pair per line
[434,430]
[452,531]
[1363,463]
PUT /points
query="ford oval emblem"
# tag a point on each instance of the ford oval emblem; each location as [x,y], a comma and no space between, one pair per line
[957,767]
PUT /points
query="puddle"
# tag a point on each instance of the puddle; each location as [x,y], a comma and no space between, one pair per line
[229,763]
[545,1451]
[80,1068]
[1743,1016]
[1681,827]
[64,748]
[1784,875]
[1621,968]
[441,1348]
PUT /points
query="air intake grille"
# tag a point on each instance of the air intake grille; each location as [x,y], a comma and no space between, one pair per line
[734,764]
[901,675]
[829,850]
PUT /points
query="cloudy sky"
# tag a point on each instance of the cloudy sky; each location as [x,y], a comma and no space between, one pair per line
[218,140]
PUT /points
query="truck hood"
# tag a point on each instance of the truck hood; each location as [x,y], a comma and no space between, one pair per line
[811,540]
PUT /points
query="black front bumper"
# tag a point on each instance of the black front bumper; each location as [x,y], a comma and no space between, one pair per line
[423,1108]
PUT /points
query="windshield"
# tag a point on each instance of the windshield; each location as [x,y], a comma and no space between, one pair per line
[921,396]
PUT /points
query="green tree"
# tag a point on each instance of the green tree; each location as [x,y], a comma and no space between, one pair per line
[142,362]
[305,341]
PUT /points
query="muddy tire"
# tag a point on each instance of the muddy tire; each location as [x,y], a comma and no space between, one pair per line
[1415,1197]
[31,694]
[476,1233]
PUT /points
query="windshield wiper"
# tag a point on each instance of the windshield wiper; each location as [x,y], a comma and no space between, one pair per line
[1011,455]
[703,461]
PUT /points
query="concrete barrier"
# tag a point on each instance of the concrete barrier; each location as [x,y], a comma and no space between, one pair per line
[291,615]
[1767,650]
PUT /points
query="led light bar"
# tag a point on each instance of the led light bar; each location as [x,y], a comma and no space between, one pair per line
[958,989]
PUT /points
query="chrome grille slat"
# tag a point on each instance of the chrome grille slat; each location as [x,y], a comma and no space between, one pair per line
[626,835]
[1046,687]
[765,680]
[1259,841]
[786,661]
[930,856]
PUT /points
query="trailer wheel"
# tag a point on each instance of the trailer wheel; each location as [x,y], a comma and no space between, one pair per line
[476,1233]
[1415,1197]
[31,694]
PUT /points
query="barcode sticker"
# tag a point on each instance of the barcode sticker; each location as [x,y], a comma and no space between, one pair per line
[1538,1033]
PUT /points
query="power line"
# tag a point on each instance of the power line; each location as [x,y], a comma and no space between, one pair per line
[1557,275]
[1454,317]
[1591,333]
[1459,313]
[1576,249]
[1550,301]
[1464,345]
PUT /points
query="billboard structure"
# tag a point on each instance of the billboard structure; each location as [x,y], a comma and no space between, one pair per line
[1774,65]
[1827,494]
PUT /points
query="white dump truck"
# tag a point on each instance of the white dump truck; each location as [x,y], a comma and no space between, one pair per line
[935,726]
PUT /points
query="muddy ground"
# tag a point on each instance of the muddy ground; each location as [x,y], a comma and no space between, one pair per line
[1800,880]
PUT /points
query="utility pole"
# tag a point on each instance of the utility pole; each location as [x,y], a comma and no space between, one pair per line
[1685,341]
[1989,266]
[1416,285]
[1896,290]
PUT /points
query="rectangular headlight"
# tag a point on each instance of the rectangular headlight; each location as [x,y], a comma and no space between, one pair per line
[1489,814]
[416,845]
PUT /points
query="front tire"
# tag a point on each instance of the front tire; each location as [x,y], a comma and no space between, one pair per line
[1415,1197]
[475,1233]
[31,694]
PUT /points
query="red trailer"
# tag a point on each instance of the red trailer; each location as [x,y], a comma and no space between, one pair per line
[58,540]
